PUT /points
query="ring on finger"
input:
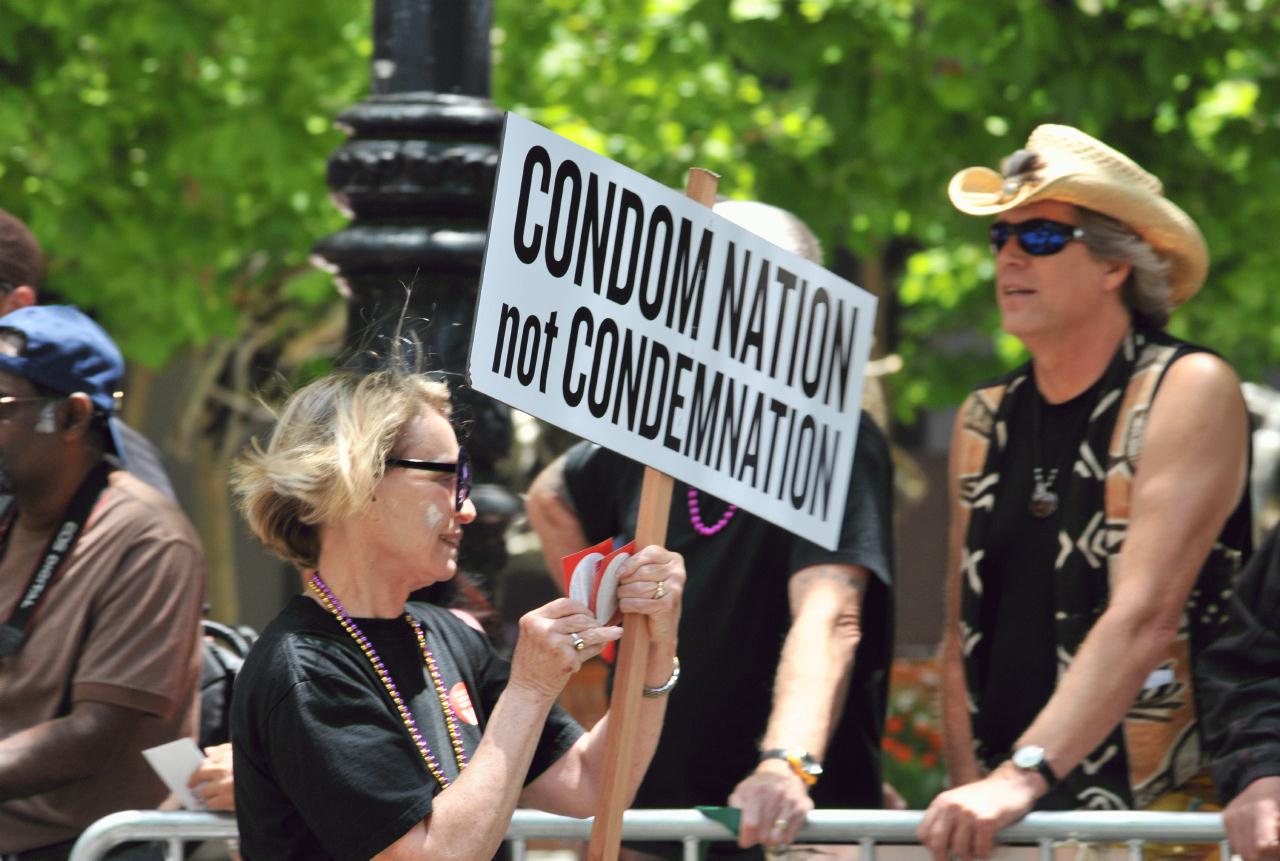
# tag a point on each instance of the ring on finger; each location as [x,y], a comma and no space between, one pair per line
[661,590]
[578,643]
[780,824]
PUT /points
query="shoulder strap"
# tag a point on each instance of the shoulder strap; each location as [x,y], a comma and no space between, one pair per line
[1126,437]
[980,427]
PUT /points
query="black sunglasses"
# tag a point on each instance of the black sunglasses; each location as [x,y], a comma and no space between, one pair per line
[11,406]
[461,471]
[1039,237]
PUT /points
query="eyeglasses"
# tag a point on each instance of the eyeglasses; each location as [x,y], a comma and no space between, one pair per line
[461,471]
[1039,237]
[11,406]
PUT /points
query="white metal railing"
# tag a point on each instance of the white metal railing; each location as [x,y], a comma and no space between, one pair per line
[867,828]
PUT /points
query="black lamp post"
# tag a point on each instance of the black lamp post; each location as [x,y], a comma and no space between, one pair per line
[416,178]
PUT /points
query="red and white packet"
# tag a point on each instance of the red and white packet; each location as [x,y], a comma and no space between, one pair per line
[591,578]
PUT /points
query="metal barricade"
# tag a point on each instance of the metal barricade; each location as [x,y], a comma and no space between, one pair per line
[866,828]
[169,827]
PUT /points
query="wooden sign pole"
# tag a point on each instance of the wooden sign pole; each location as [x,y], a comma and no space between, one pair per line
[628,679]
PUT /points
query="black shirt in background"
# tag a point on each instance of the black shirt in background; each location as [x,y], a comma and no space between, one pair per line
[1238,679]
[736,614]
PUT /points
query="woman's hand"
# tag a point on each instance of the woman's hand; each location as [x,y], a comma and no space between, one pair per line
[651,584]
[554,641]
[213,782]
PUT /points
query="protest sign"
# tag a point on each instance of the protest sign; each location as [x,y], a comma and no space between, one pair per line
[618,309]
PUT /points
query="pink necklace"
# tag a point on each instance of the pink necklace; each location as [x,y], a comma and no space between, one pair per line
[695,517]
[334,606]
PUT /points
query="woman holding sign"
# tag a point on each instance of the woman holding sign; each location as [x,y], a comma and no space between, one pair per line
[365,727]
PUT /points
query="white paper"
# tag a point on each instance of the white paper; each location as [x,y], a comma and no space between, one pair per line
[174,763]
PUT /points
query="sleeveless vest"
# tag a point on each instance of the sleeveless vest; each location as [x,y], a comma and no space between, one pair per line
[1157,747]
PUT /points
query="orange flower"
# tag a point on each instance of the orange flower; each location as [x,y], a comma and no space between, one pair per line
[897,750]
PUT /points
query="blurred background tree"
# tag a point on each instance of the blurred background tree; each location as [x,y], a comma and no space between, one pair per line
[171,156]
[855,113]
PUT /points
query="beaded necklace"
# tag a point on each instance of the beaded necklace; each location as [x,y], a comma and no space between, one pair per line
[695,517]
[334,606]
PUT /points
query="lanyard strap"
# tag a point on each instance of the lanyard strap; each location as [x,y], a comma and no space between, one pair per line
[14,631]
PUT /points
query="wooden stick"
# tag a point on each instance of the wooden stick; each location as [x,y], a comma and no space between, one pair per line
[628,679]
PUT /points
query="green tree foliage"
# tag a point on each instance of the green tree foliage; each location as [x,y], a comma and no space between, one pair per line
[855,113]
[170,155]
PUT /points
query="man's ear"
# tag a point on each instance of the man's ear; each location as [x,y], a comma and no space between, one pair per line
[22,296]
[77,413]
[1117,273]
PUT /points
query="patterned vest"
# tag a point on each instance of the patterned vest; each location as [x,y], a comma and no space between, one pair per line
[1156,748]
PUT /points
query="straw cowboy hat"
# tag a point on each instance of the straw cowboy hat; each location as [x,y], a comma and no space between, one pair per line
[1065,164]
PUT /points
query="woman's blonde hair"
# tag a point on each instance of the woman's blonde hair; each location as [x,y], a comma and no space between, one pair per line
[326,455]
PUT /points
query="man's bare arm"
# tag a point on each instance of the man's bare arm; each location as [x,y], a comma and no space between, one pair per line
[808,696]
[553,517]
[957,732]
[92,739]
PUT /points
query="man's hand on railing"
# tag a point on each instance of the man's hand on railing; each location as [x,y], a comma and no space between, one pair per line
[774,803]
[964,821]
[1252,821]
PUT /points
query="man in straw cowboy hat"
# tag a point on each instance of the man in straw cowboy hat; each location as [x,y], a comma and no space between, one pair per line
[1067,663]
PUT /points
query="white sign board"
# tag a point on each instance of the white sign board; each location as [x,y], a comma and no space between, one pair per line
[634,317]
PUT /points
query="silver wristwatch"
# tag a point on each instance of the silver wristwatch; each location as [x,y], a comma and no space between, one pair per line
[1031,757]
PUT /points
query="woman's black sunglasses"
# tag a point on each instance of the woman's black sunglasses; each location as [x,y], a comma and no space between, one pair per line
[1039,237]
[461,471]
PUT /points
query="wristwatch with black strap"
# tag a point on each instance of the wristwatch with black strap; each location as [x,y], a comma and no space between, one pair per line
[805,766]
[1031,757]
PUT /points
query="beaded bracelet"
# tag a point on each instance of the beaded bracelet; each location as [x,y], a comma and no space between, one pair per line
[670,683]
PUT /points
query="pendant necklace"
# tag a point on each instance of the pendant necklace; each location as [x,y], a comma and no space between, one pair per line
[334,606]
[1044,501]
[695,516]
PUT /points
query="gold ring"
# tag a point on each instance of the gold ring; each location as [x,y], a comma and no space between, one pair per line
[578,643]
[661,590]
[780,824]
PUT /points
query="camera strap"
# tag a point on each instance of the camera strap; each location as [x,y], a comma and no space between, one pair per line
[14,631]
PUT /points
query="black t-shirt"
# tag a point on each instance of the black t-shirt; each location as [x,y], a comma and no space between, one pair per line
[1020,554]
[324,766]
[1019,585]
[735,617]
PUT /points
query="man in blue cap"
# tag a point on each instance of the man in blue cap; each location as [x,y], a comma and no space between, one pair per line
[101,583]
[21,286]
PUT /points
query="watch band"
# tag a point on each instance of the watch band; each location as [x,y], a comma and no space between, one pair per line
[1043,769]
[1031,757]
[802,764]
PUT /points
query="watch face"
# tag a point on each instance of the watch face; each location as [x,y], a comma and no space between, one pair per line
[1028,757]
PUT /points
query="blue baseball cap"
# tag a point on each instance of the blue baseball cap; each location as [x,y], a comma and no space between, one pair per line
[64,351]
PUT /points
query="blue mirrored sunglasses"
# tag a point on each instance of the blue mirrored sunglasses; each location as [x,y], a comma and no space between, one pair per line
[461,471]
[1039,237]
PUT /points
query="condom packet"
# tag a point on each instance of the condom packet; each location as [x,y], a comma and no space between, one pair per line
[591,578]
